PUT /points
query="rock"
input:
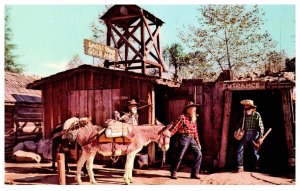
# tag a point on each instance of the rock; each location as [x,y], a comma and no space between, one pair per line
[45,149]
[19,146]
[30,146]
[23,156]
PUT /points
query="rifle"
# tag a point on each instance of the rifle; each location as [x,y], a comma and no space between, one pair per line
[266,134]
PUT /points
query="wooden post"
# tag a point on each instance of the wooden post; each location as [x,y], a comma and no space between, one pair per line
[60,158]
[225,128]
[288,119]
[151,119]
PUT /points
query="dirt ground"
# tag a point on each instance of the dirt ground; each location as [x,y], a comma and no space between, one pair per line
[41,174]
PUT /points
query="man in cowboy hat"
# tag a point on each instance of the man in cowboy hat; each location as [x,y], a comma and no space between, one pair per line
[132,116]
[253,125]
[186,125]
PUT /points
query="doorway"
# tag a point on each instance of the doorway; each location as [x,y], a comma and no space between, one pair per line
[274,154]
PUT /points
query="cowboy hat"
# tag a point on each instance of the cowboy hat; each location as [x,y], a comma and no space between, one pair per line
[248,102]
[132,103]
[190,104]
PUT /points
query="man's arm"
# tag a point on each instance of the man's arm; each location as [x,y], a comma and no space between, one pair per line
[178,123]
[261,126]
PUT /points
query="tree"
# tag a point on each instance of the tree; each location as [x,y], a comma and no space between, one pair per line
[11,64]
[275,62]
[74,62]
[174,55]
[98,30]
[231,37]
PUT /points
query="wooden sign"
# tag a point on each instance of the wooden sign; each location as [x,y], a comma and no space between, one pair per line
[243,85]
[100,50]
[278,85]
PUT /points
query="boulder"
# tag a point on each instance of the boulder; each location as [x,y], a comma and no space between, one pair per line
[24,156]
[45,148]
[19,146]
[30,146]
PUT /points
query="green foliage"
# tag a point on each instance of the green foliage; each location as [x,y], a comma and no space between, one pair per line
[231,37]
[10,58]
[174,55]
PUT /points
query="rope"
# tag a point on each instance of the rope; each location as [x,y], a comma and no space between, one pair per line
[252,174]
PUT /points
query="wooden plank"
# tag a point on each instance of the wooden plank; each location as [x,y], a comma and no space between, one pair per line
[217,107]
[61,168]
[72,103]
[151,118]
[107,105]
[97,79]
[64,100]
[143,113]
[288,118]
[225,128]
[80,80]
[207,123]
[56,102]
[48,112]
[115,100]
[82,103]
[89,79]
[98,107]
[91,105]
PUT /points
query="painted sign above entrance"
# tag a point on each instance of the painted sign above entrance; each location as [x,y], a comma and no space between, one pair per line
[243,85]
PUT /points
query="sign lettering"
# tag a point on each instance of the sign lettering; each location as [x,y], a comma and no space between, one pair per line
[100,50]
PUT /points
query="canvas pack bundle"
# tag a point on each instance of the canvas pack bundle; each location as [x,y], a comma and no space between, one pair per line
[116,129]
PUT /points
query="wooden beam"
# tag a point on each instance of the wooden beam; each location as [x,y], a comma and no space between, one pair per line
[123,17]
[151,36]
[60,158]
[225,128]
[125,40]
[288,119]
[128,34]
[151,120]
[153,63]
[143,46]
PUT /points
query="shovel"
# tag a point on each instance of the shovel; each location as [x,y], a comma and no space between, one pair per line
[266,134]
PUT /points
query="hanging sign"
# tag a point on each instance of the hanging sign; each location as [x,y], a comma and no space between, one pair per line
[100,50]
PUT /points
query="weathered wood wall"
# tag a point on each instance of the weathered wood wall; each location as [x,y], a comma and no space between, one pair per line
[92,93]
[216,121]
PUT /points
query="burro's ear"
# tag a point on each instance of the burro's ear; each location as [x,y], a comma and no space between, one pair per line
[157,122]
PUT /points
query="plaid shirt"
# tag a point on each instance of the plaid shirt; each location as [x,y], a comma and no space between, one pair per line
[184,126]
[253,122]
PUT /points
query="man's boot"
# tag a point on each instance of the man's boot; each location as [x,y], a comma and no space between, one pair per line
[174,175]
[240,169]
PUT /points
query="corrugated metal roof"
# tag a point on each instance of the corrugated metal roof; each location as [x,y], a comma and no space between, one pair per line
[15,89]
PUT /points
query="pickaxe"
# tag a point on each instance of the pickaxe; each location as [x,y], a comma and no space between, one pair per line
[257,145]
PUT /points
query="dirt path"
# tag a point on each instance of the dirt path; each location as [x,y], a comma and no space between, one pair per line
[40,174]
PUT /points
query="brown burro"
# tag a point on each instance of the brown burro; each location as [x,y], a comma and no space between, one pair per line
[88,136]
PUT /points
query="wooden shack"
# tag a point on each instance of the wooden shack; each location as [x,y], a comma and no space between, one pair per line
[23,111]
[97,92]
[220,110]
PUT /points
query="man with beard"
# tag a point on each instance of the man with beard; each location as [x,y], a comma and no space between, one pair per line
[186,125]
[254,129]
[132,116]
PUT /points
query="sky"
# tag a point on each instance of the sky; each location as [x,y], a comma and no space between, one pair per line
[48,36]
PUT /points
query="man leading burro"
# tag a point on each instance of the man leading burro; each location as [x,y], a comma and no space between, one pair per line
[252,125]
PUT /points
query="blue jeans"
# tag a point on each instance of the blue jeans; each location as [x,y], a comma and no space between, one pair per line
[184,143]
[247,139]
